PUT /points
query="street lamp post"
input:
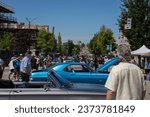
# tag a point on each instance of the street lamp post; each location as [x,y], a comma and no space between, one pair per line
[29,21]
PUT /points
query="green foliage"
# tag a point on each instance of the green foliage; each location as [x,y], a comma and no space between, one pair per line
[45,41]
[6,41]
[98,44]
[76,49]
[59,43]
[68,47]
[139,12]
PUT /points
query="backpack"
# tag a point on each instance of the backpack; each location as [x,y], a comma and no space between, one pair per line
[16,63]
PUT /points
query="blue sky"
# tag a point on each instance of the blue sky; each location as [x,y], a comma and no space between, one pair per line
[76,20]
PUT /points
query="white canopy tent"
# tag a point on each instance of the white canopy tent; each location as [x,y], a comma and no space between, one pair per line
[140,55]
[141,51]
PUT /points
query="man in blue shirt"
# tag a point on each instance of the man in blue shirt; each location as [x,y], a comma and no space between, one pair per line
[25,67]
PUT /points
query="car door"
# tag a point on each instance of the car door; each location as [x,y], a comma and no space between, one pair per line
[75,73]
[90,77]
[80,73]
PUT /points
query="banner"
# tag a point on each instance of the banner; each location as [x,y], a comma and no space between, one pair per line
[74,108]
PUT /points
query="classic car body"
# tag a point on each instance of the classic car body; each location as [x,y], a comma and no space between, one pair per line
[77,72]
[56,88]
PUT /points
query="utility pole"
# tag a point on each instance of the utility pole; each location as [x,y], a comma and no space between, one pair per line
[30,33]
[29,21]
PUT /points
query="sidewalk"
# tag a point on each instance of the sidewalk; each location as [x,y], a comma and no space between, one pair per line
[5,73]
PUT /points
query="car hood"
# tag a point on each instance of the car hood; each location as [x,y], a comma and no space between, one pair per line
[108,64]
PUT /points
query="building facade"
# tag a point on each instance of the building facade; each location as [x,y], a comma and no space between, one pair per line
[24,35]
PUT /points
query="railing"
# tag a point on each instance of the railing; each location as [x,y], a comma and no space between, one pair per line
[7,18]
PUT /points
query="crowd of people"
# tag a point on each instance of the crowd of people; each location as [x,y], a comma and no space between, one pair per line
[125,81]
[22,65]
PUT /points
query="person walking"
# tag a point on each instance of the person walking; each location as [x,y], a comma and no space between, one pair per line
[16,65]
[47,61]
[37,62]
[25,67]
[126,80]
[11,68]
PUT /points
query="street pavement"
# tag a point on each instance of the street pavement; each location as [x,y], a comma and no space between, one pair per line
[147,96]
[5,73]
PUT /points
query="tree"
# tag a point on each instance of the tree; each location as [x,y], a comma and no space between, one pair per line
[68,47]
[6,41]
[76,49]
[101,40]
[53,41]
[45,41]
[139,12]
[59,43]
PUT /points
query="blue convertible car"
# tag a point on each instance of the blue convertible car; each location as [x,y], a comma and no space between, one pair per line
[77,72]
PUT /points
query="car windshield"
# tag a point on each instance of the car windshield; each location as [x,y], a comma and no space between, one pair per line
[78,68]
[52,67]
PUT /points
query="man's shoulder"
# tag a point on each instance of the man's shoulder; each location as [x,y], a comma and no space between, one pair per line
[123,65]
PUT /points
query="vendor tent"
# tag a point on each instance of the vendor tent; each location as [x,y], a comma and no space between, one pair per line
[141,51]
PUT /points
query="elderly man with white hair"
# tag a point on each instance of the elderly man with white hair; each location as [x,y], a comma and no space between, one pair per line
[126,80]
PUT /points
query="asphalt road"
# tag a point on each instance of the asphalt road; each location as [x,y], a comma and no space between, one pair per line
[147,96]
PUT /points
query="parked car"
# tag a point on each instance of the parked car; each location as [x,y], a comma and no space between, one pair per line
[77,72]
[56,88]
